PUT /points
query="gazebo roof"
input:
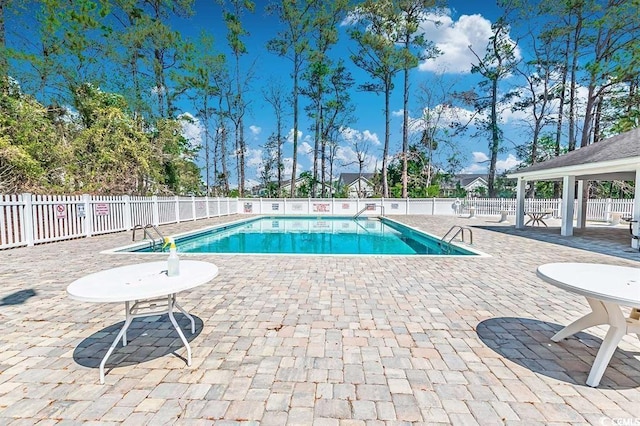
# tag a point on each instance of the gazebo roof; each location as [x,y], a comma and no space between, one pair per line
[615,158]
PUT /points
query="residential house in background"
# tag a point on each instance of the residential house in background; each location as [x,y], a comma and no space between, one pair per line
[358,185]
[474,184]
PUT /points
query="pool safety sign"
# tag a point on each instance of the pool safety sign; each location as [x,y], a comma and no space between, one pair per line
[61,211]
[102,209]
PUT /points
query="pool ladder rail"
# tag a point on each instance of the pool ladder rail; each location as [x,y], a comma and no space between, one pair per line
[459,230]
[365,208]
[153,243]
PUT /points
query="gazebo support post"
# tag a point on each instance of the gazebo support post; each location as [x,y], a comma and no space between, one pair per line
[568,198]
[581,216]
[636,212]
[520,192]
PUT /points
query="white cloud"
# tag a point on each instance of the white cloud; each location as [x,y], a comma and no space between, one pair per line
[441,116]
[352,136]
[290,136]
[398,113]
[347,157]
[192,129]
[481,163]
[474,168]
[508,163]
[255,130]
[287,164]
[453,39]
[305,148]
[253,157]
[479,157]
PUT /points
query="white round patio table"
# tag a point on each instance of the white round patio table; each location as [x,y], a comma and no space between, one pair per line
[146,290]
[607,288]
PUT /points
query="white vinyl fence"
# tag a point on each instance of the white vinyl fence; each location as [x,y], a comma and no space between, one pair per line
[27,219]
[597,210]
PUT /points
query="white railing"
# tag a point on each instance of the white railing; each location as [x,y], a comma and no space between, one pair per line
[28,219]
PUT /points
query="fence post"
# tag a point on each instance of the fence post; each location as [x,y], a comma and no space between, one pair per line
[155,211]
[206,209]
[433,206]
[177,208]
[127,212]
[193,206]
[27,218]
[88,215]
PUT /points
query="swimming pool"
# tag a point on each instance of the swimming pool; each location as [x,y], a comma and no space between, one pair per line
[313,235]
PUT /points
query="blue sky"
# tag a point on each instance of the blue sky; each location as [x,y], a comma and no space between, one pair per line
[466,23]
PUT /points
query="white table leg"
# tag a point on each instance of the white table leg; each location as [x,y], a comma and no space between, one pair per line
[175,324]
[127,312]
[597,316]
[601,313]
[186,314]
[617,329]
[123,330]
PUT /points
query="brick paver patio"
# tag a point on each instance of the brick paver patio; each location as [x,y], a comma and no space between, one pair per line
[290,340]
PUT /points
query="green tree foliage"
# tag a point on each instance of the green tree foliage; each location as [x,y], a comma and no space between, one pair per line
[420,184]
[308,183]
[498,62]
[237,103]
[374,34]
[30,158]
[414,49]
[293,43]
[530,153]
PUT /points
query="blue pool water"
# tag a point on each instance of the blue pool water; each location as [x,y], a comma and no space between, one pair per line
[313,235]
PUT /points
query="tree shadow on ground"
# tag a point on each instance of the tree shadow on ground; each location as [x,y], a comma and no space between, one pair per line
[527,342]
[18,297]
[147,338]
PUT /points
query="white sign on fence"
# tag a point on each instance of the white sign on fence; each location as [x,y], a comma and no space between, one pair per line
[80,210]
[61,211]
[102,209]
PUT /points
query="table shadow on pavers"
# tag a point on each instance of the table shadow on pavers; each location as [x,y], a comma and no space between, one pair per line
[148,338]
[527,342]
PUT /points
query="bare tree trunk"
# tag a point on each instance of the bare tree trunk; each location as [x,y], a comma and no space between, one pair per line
[495,139]
[295,129]
[4,65]
[405,133]
[385,151]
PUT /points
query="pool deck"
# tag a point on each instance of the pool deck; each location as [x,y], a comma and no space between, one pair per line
[321,340]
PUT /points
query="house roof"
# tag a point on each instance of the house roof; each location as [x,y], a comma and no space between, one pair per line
[464,179]
[349,178]
[615,158]
[467,179]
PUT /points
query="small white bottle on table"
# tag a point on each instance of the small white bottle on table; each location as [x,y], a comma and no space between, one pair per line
[173,262]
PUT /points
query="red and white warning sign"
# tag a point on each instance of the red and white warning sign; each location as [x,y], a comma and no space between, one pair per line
[61,211]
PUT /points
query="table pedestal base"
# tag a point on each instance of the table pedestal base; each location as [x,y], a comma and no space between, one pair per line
[602,313]
[146,308]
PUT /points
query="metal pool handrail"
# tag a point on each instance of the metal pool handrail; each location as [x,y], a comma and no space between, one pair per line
[365,208]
